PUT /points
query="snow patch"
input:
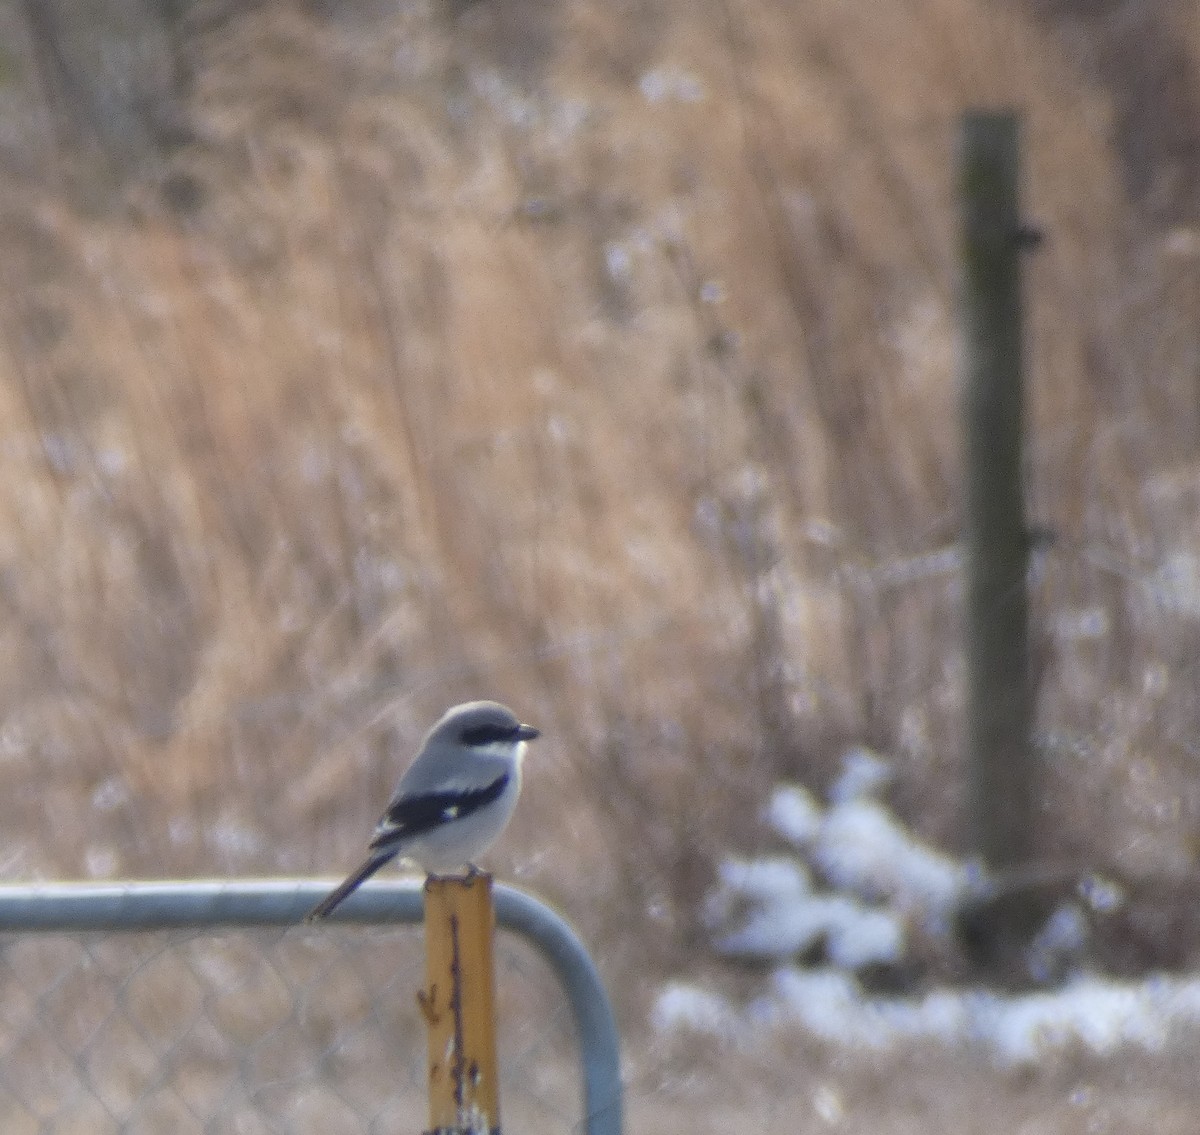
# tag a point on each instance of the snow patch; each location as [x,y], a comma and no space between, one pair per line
[864,773]
[680,1007]
[876,879]
[853,936]
[1091,1014]
[794,813]
[863,849]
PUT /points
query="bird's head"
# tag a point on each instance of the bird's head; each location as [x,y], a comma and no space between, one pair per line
[483,727]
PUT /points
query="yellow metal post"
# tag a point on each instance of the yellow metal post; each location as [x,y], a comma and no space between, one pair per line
[459,1005]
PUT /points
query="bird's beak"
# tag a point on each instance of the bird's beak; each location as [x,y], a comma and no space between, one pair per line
[527,732]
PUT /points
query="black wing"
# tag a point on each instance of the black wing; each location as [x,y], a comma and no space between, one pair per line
[417,814]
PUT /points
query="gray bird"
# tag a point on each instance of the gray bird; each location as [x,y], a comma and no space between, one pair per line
[453,801]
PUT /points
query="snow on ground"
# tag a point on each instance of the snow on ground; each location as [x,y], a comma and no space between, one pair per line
[1094,1015]
[879,879]
[875,882]
[785,917]
[860,847]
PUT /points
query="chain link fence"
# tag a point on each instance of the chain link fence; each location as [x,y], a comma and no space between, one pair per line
[254,1028]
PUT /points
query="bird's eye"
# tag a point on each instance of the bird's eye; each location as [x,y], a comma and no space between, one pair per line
[486,734]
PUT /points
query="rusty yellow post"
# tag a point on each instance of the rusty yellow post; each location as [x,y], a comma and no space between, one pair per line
[459,1005]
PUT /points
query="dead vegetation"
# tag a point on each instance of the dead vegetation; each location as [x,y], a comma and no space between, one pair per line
[594,357]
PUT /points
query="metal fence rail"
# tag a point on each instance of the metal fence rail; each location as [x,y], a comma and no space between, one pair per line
[65,1013]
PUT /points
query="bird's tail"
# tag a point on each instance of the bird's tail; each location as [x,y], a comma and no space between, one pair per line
[327,905]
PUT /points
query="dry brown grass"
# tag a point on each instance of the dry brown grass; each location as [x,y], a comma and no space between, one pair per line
[595,358]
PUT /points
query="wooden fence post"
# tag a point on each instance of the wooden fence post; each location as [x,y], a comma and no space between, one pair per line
[1001,774]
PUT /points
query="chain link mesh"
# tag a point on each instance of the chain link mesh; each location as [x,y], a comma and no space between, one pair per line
[255,1032]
